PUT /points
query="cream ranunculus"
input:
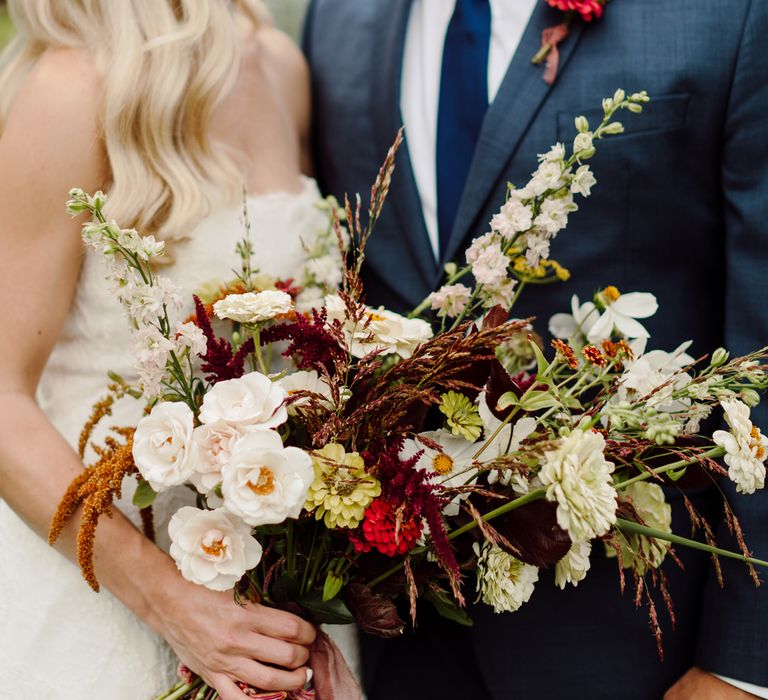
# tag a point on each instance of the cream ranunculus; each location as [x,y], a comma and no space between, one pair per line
[212,446]
[161,445]
[212,547]
[253,307]
[578,479]
[265,483]
[384,330]
[249,402]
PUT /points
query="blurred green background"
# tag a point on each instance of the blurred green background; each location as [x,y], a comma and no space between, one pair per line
[288,15]
[5,25]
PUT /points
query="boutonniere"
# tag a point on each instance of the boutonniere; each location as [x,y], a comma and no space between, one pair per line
[586,10]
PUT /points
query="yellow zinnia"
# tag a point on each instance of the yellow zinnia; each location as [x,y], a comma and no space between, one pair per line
[342,489]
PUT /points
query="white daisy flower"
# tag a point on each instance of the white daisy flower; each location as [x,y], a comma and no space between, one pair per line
[577,324]
[452,463]
[621,312]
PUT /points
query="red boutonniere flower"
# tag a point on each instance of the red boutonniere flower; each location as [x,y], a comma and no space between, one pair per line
[587,10]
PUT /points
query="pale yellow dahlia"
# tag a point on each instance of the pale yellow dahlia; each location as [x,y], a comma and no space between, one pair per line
[342,489]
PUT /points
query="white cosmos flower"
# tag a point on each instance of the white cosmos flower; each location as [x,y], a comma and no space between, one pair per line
[746,448]
[638,551]
[621,312]
[656,371]
[385,331]
[161,445]
[212,547]
[212,447]
[504,583]
[506,441]
[578,479]
[253,307]
[253,400]
[265,483]
[309,381]
[573,567]
[452,464]
[577,324]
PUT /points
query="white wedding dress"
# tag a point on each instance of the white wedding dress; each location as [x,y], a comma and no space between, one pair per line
[59,639]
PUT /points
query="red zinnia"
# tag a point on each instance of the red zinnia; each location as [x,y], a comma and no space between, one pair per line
[387,531]
[588,9]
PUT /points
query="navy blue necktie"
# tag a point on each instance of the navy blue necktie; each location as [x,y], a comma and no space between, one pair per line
[463,104]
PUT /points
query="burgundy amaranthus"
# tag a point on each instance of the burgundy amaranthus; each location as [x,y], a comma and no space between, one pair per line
[408,495]
[220,361]
[311,344]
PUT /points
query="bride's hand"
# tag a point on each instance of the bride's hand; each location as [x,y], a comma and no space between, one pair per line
[223,642]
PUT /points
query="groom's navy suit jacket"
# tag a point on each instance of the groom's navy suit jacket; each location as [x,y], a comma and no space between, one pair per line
[680,210]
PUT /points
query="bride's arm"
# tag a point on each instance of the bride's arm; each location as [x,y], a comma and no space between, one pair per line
[51,143]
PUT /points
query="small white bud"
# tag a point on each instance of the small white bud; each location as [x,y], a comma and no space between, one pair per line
[719,357]
[619,96]
[614,128]
[582,125]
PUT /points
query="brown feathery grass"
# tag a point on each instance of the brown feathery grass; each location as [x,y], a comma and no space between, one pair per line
[100,409]
[95,489]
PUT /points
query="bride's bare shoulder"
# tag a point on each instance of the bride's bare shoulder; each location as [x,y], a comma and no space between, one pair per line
[52,128]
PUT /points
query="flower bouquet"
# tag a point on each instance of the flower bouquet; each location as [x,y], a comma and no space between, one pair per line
[344,457]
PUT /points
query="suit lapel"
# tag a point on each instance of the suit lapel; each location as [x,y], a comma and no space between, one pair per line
[520,96]
[410,238]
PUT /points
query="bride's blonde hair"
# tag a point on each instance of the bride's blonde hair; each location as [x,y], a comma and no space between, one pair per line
[165,66]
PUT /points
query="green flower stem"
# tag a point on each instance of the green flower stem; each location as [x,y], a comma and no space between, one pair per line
[518,292]
[712,453]
[637,529]
[291,546]
[179,691]
[256,333]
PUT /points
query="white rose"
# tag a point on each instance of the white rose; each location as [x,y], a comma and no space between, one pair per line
[161,445]
[212,447]
[253,307]
[253,400]
[385,330]
[211,547]
[264,482]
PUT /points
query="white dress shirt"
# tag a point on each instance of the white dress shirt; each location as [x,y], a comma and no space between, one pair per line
[420,95]
[420,91]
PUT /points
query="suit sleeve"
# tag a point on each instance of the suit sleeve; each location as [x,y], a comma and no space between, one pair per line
[733,636]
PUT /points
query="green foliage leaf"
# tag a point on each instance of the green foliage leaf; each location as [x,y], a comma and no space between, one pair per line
[507,400]
[145,495]
[447,607]
[325,612]
[538,400]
